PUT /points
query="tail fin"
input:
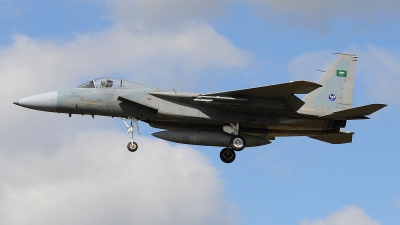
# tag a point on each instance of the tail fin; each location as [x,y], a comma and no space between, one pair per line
[337,89]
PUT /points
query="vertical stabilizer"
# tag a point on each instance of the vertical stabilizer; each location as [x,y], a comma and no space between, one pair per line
[337,89]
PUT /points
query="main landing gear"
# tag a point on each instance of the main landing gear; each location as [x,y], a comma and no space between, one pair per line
[132,146]
[237,143]
[227,155]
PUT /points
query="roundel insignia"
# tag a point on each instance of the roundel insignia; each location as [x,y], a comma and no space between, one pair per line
[332,97]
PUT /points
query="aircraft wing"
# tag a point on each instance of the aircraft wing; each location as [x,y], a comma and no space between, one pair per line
[355,113]
[340,138]
[283,90]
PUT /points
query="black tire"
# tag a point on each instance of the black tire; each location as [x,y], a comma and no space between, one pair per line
[227,155]
[237,143]
[132,146]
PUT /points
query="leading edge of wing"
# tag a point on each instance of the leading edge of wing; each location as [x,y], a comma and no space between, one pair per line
[272,91]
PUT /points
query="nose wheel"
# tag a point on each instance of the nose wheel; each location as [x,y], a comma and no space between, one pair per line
[132,146]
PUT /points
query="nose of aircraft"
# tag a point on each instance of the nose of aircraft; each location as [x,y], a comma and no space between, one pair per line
[44,102]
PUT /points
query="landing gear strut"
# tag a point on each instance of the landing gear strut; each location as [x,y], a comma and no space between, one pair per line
[132,146]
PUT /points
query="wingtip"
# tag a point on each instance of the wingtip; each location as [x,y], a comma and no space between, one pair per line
[381,106]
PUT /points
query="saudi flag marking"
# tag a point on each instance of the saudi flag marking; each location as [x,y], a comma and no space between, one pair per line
[341,73]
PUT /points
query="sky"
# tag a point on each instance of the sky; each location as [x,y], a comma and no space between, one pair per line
[60,170]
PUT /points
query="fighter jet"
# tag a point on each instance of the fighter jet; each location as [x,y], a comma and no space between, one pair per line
[230,119]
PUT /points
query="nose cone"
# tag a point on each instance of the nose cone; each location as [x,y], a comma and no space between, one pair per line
[44,102]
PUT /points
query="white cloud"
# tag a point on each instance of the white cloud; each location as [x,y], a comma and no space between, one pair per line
[93,180]
[155,58]
[308,6]
[159,14]
[58,170]
[30,66]
[318,13]
[348,215]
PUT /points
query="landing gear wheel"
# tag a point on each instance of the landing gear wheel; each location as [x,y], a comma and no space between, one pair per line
[132,146]
[237,143]
[227,155]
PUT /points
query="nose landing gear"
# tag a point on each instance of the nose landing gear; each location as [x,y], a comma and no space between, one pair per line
[132,146]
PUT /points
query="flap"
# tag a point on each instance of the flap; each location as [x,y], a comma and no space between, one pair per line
[356,113]
[340,138]
[273,91]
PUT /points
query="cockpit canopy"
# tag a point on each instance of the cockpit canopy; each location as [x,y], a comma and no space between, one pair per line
[109,83]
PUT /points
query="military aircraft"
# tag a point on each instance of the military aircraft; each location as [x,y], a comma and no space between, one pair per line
[230,119]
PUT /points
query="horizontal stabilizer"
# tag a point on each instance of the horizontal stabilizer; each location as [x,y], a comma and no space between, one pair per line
[273,91]
[355,113]
[340,138]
